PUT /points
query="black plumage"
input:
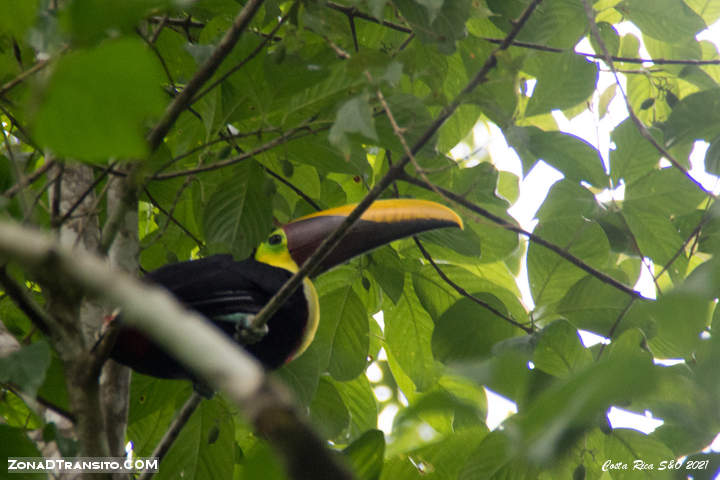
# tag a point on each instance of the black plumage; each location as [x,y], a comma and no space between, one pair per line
[220,288]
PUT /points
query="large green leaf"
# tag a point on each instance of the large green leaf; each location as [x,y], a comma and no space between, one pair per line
[349,347]
[663,19]
[236,218]
[562,81]
[649,214]
[205,447]
[468,330]
[633,156]
[98,101]
[408,333]
[576,158]
[26,367]
[550,276]
[559,351]
[366,455]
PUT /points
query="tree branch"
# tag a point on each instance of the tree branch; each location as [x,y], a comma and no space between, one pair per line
[174,430]
[465,293]
[631,112]
[605,278]
[353,12]
[601,56]
[222,50]
[187,336]
[260,320]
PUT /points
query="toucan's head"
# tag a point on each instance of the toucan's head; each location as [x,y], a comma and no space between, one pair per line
[386,220]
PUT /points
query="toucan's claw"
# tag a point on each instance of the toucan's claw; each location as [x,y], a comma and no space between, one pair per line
[247,334]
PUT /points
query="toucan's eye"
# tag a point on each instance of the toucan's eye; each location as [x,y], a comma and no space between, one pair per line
[275,239]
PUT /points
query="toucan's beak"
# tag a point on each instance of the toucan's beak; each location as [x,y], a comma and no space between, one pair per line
[383,222]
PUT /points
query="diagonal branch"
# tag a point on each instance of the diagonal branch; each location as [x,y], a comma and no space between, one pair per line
[174,430]
[466,294]
[222,50]
[631,112]
[396,171]
[656,61]
[603,277]
[187,336]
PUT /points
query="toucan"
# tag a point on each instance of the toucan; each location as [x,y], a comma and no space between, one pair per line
[229,292]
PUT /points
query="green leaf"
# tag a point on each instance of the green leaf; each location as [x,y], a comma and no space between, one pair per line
[649,215]
[468,330]
[559,351]
[205,447]
[26,367]
[15,443]
[609,36]
[695,116]
[628,446]
[666,20]
[91,20]
[634,156]
[576,158]
[327,410]
[565,409]
[564,223]
[237,216]
[97,102]
[354,117]
[680,317]
[712,157]
[441,458]
[492,454]
[443,23]
[361,404]
[388,271]
[563,80]
[408,333]
[595,306]
[151,412]
[366,455]
[350,343]
[18,18]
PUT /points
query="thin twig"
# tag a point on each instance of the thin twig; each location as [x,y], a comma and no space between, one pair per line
[29,179]
[656,61]
[84,195]
[24,301]
[353,12]
[171,218]
[607,58]
[312,264]
[465,293]
[289,135]
[158,29]
[174,430]
[22,76]
[222,50]
[534,238]
[242,63]
[231,140]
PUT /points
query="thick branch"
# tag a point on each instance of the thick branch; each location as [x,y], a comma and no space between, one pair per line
[396,171]
[187,336]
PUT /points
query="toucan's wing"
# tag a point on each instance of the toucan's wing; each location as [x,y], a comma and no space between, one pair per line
[221,289]
[219,285]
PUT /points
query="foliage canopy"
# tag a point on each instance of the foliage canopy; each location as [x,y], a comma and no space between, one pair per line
[309,110]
